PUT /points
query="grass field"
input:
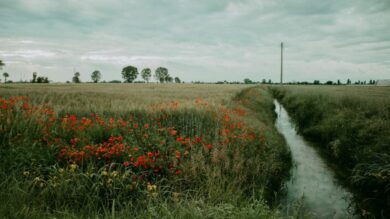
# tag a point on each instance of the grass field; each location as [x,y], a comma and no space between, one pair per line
[143,151]
[352,126]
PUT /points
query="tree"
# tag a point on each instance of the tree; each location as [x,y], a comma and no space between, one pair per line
[247,81]
[76,78]
[34,80]
[161,74]
[5,75]
[348,81]
[316,82]
[129,73]
[168,79]
[146,73]
[338,82]
[177,80]
[1,64]
[96,76]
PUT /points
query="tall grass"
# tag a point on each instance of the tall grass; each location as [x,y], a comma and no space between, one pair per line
[76,152]
[352,126]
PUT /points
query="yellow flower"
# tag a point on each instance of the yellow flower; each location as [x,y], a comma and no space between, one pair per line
[26,173]
[151,187]
[72,167]
[175,194]
[114,173]
[104,173]
[60,170]
[154,194]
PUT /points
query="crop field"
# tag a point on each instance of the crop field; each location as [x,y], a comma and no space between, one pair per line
[139,150]
[351,125]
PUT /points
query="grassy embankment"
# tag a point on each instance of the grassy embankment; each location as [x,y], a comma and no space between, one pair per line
[120,151]
[352,127]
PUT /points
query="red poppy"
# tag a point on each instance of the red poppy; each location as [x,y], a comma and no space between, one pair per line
[126,164]
[173,132]
[178,154]
[178,172]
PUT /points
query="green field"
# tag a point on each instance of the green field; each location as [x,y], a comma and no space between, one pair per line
[351,125]
[143,151]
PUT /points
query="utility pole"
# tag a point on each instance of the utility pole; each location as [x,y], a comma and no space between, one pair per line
[281,63]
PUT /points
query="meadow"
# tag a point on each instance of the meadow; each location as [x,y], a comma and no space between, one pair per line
[351,126]
[140,151]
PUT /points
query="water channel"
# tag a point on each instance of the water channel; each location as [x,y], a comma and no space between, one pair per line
[312,188]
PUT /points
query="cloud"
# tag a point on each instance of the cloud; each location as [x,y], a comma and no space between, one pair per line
[205,40]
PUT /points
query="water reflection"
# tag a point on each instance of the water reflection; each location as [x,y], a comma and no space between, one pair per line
[312,187]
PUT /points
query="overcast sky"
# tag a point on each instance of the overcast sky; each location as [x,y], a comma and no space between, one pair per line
[206,40]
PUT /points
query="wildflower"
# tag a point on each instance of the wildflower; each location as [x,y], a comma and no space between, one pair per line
[126,163]
[177,154]
[150,187]
[150,154]
[25,106]
[175,194]
[72,167]
[173,132]
[104,173]
[26,173]
[4,106]
[209,146]
[154,194]
[114,173]
[177,172]
[73,118]
[146,125]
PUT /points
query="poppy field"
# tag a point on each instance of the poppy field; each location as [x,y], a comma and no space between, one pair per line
[177,151]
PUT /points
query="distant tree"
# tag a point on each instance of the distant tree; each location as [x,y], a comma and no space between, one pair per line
[129,73]
[96,76]
[269,81]
[1,64]
[177,80]
[5,75]
[248,81]
[168,79]
[329,83]
[76,78]
[146,74]
[263,81]
[34,80]
[161,74]
[115,81]
[348,81]
[41,79]
[316,82]
[338,82]
[46,80]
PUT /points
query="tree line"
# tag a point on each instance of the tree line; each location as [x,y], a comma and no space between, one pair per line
[161,74]
[130,74]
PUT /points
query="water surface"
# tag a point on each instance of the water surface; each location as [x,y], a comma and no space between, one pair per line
[312,186]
